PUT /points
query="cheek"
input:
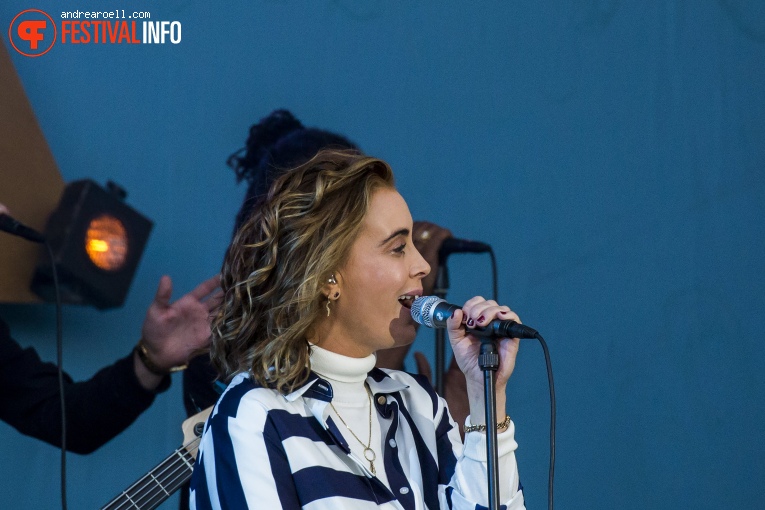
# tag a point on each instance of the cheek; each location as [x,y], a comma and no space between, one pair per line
[379,282]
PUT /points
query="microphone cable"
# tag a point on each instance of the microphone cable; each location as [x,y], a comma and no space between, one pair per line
[60,363]
[13,227]
[551,473]
[550,384]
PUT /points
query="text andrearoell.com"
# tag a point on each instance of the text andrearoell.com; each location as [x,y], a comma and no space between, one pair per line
[34,32]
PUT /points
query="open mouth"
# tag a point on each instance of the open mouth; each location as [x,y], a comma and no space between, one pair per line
[406,301]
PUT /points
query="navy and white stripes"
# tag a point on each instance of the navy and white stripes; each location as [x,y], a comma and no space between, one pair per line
[261,449]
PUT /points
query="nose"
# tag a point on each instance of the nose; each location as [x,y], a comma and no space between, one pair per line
[420,267]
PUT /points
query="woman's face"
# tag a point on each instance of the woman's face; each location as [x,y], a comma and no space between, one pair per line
[378,283]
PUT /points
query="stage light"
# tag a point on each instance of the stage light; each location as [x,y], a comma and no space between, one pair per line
[106,243]
[97,241]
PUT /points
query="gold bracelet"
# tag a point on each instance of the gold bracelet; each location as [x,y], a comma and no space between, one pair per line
[143,355]
[482,428]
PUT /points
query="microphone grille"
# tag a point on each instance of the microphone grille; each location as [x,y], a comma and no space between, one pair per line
[422,309]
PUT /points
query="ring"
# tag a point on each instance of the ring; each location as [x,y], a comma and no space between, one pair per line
[425,235]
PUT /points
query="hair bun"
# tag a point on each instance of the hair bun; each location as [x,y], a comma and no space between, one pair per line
[263,136]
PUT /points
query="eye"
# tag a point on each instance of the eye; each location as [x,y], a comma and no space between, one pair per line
[400,249]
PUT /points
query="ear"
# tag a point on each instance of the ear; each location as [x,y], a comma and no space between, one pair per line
[331,287]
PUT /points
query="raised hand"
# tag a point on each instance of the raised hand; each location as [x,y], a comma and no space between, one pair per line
[173,332]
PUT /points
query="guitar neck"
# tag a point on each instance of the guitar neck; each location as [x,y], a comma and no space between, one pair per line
[160,483]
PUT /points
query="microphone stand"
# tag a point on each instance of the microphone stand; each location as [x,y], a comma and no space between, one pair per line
[488,361]
[440,289]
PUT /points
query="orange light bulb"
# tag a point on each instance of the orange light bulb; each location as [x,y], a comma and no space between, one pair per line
[106,243]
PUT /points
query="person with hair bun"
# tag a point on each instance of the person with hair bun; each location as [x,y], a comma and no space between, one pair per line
[318,279]
[276,143]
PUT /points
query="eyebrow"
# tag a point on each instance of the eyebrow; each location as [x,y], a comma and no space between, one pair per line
[400,232]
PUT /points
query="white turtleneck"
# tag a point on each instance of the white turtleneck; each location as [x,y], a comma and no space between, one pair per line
[351,399]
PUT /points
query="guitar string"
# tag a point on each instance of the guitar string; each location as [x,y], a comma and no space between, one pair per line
[156,492]
[172,486]
[147,482]
[150,487]
[153,487]
[160,494]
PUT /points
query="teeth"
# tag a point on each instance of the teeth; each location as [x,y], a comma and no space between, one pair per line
[406,300]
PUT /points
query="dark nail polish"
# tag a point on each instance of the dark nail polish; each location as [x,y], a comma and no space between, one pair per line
[455,311]
[470,323]
[481,318]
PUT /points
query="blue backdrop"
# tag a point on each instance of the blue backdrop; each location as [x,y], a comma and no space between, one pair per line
[611,152]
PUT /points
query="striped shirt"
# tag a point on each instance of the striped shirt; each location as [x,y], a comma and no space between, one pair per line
[261,449]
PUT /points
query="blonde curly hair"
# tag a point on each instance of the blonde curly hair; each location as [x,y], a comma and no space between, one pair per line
[280,260]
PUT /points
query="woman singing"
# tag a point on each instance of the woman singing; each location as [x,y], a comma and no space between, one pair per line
[316,281]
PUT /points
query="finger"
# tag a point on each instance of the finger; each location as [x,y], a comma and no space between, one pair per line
[508,352]
[200,344]
[441,234]
[485,312]
[425,234]
[214,300]
[454,325]
[4,210]
[205,288]
[423,367]
[164,291]
[430,248]
[421,233]
[471,305]
[496,312]
[486,316]
[507,314]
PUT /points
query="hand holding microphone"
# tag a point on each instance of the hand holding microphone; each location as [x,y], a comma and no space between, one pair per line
[477,318]
[433,312]
[464,326]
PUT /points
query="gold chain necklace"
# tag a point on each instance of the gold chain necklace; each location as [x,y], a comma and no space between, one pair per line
[369,453]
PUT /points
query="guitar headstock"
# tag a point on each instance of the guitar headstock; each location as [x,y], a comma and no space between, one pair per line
[192,431]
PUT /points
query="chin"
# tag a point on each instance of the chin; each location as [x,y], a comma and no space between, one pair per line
[402,333]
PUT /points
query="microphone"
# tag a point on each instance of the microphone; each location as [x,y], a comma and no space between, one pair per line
[452,245]
[432,311]
[10,225]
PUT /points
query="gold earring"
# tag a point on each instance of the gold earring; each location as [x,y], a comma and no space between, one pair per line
[335,295]
[332,281]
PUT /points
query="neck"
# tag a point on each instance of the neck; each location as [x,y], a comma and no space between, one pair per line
[334,335]
[340,368]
